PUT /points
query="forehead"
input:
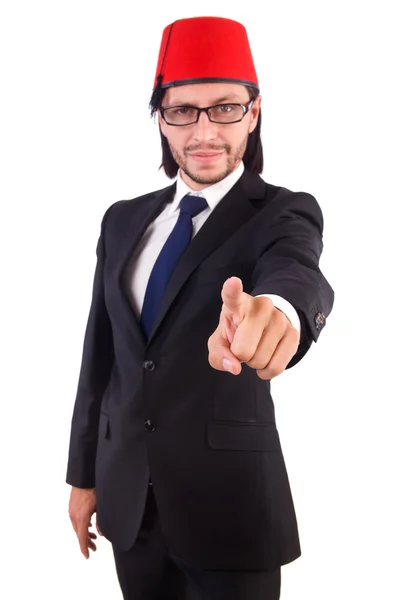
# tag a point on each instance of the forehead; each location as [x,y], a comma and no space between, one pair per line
[205,94]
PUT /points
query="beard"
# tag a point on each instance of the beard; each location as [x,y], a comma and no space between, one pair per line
[233,159]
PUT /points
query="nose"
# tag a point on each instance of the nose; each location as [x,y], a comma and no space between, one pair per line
[204,129]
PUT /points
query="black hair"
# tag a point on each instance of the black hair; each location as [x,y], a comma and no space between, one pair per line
[253,156]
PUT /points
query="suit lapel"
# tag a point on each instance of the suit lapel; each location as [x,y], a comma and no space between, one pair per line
[142,215]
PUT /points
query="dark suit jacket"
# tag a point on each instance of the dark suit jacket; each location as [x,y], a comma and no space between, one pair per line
[156,407]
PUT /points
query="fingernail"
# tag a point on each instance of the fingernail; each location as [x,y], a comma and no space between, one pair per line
[227,364]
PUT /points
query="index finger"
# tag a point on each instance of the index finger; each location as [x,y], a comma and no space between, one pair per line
[233,299]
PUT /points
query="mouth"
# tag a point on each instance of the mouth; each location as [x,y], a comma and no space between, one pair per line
[205,157]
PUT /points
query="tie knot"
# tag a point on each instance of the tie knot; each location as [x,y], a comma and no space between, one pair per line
[193,205]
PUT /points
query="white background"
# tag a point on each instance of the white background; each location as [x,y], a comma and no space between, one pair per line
[76,79]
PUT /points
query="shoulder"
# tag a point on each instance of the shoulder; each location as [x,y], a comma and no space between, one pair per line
[123,208]
[284,203]
[274,201]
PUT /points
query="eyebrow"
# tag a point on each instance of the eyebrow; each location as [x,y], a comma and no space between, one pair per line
[216,101]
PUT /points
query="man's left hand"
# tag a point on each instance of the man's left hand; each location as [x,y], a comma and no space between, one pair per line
[251,330]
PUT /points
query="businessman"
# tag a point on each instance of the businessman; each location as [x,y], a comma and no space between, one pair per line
[203,292]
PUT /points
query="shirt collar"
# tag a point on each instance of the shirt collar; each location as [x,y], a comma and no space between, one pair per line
[213,193]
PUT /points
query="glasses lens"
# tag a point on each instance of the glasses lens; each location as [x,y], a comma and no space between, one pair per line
[226,113]
[180,115]
[223,113]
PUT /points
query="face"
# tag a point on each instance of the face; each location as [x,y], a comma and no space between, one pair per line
[226,142]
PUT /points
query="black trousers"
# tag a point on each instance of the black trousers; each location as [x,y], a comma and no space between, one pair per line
[149,571]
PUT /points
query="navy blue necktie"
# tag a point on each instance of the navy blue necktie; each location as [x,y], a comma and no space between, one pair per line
[171,252]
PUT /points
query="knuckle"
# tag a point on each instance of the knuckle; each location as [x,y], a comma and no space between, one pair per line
[264,305]
[269,372]
[272,373]
[265,301]
[242,354]
[262,374]
[280,317]
[256,364]
[294,333]
[262,312]
[212,361]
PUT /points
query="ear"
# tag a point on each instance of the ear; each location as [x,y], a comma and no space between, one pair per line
[255,113]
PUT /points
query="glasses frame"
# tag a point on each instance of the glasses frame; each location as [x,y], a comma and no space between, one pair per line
[245,107]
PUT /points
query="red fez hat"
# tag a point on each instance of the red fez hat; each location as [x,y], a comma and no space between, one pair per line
[203,49]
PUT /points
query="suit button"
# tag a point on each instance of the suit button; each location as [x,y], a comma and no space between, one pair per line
[149,365]
[150,426]
[319,320]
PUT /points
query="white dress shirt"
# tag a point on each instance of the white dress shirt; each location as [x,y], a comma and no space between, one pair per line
[151,243]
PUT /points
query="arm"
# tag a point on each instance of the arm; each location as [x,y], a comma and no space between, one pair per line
[96,365]
[289,266]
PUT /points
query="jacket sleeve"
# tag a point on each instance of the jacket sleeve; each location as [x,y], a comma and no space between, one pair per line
[96,365]
[289,266]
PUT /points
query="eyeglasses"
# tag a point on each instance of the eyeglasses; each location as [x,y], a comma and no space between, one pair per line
[220,113]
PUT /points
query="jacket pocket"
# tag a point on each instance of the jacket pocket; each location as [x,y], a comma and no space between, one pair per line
[256,437]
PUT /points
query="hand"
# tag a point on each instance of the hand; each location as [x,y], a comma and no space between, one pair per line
[82,505]
[251,330]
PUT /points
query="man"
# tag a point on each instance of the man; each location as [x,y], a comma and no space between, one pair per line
[203,292]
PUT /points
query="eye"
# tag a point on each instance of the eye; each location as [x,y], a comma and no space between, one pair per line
[226,107]
[182,110]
